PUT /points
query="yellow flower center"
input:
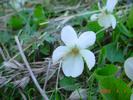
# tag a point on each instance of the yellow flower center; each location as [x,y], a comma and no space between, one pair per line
[74,51]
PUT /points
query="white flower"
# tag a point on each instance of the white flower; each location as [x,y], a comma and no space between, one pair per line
[131,98]
[128,66]
[17,4]
[106,18]
[75,52]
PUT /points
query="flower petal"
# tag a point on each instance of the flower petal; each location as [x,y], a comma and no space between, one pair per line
[107,20]
[17,4]
[86,39]
[89,58]
[113,21]
[94,17]
[110,5]
[131,98]
[73,66]
[128,66]
[68,35]
[59,52]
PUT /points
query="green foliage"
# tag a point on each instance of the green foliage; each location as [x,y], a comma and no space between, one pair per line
[39,14]
[130,19]
[112,88]
[123,29]
[49,38]
[111,49]
[9,93]
[56,96]
[15,22]
[4,37]
[94,26]
[45,49]
[102,56]
[69,83]
[113,53]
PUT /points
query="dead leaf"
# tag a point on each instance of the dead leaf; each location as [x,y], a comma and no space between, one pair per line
[78,95]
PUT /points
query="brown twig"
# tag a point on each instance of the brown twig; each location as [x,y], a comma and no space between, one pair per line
[16,55]
[42,92]
[58,75]
[2,54]
[47,75]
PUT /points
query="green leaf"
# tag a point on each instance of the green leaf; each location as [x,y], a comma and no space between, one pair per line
[49,38]
[130,19]
[39,14]
[102,56]
[56,96]
[94,26]
[114,54]
[112,88]
[68,84]
[4,37]
[123,29]
[15,22]
[45,49]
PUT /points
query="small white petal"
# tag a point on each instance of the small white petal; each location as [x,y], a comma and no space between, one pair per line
[59,52]
[94,17]
[128,66]
[113,20]
[89,58]
[107,20]
[73,66]
[86,39]
[131,98]
[68,35]
[17,4]
[104,21]
[110,5]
